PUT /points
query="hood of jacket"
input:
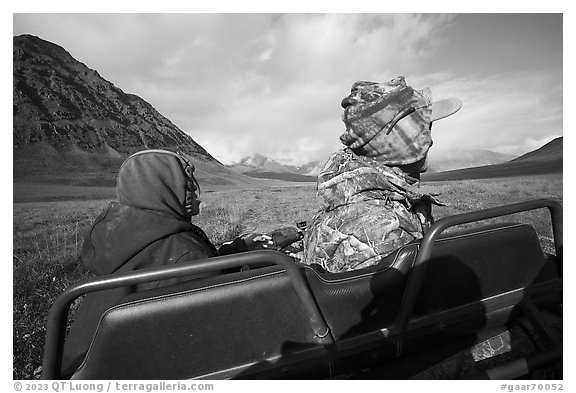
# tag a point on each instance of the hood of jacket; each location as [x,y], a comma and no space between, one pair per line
[153,188]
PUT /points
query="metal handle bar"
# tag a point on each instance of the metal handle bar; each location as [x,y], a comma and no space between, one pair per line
[58,315]
[419,269]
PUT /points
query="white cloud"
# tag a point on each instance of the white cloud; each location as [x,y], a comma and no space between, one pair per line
[501,112]
[272,84]
[281,89]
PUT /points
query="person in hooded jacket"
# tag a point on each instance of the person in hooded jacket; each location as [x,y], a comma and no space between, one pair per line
[149,226]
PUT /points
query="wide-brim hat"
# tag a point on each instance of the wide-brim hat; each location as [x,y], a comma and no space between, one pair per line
[444,108]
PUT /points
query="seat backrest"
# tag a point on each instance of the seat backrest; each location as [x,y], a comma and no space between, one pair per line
[465,266]
[480,263]
[233,321]
[198,327]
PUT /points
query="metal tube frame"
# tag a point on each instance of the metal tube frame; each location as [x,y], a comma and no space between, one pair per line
[58,314]
[419,269]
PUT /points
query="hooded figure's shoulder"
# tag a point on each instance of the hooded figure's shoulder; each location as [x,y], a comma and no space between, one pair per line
[125,238]
[193,246]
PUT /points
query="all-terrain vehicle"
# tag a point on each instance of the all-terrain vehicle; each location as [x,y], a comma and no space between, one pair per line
[453,292]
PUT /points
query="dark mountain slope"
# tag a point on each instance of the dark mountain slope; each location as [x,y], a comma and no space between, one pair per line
[550,152]
[71,124]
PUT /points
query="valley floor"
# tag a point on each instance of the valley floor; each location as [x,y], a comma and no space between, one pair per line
[50,222]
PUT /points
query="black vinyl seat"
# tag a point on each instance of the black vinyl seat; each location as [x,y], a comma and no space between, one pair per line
[231,325]
[465,266]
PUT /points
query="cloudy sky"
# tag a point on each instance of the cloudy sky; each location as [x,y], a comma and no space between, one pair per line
[272,83]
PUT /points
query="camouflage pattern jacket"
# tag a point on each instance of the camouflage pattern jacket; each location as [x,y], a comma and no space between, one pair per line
[369,210]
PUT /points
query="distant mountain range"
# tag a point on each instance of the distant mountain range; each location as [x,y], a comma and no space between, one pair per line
[262,167]
[259,163]
[545,160]
[461,158]
[451,162]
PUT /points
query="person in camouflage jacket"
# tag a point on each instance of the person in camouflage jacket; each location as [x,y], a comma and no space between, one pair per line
[371,202]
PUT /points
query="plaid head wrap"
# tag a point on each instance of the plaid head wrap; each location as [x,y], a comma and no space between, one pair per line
[389,121]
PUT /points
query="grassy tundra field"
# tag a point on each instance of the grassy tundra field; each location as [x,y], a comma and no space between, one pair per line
[48,235]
